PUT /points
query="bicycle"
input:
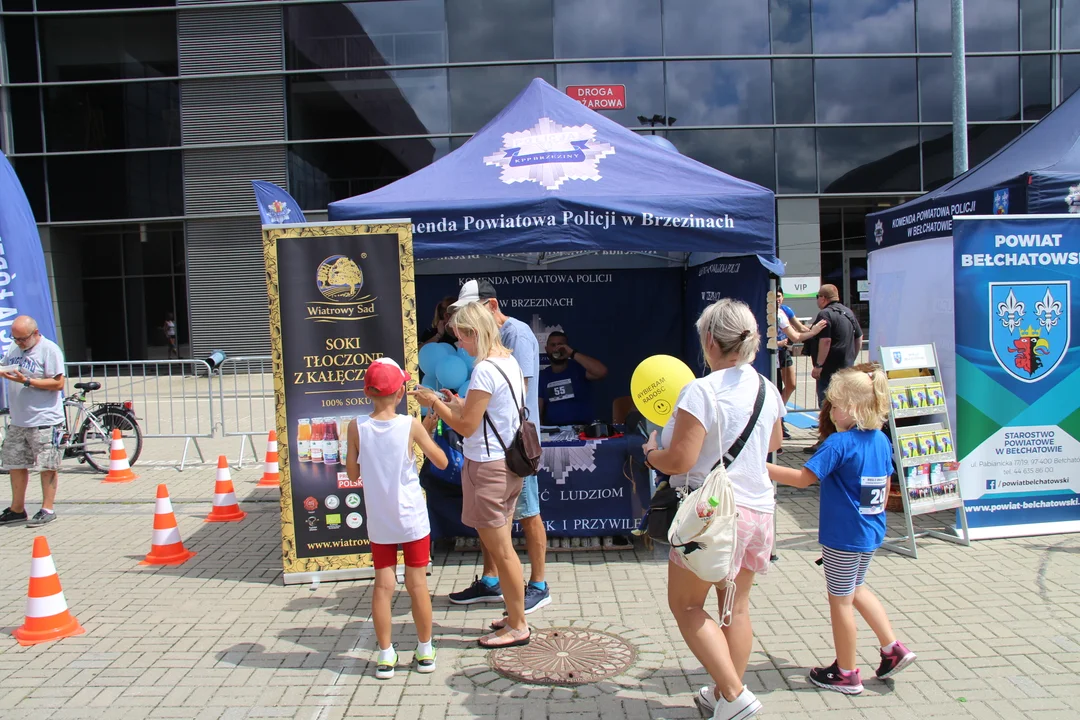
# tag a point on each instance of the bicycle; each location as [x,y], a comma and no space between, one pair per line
[92,442]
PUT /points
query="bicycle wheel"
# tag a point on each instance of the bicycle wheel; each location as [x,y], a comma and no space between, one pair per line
[95,437]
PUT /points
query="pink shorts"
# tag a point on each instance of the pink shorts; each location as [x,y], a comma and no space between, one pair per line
[754,546]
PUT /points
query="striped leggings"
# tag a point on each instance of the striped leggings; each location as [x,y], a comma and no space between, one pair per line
[844,570]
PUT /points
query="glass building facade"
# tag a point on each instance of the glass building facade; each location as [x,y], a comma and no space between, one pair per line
[133,123]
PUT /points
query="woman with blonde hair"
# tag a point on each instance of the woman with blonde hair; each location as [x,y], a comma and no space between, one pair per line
[488,418]
[709,417]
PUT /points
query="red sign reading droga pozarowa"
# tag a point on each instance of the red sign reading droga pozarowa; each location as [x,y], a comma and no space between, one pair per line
[599,97]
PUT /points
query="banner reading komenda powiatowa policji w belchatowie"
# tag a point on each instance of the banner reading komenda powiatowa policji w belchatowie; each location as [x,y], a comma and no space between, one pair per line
[1017,383]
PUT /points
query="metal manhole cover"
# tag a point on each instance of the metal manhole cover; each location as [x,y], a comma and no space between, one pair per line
[565,656]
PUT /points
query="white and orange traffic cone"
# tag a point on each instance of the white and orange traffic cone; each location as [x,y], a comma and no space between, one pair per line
[166,547]
[225,509]
[271,476]
[119,470]
[47,615]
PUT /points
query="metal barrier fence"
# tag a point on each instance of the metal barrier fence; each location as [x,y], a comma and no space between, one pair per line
[246,399]
[172,398]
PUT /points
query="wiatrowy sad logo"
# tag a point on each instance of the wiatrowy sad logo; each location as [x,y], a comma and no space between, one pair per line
[550,154]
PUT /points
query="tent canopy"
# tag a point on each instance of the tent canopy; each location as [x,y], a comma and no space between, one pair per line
[1031,174]
[550,175]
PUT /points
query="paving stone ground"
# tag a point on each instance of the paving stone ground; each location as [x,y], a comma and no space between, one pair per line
[996,625]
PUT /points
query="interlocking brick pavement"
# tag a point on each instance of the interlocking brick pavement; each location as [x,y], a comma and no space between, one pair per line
[996,625]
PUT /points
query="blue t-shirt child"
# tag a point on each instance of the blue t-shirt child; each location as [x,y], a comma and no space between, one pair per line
[854,469]
[567,396]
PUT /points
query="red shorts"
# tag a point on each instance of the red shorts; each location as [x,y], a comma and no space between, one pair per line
[417,553]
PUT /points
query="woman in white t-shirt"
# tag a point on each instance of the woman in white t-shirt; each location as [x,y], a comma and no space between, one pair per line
[488,419]
[709,416]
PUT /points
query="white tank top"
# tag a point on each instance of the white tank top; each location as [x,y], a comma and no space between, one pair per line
[396,510]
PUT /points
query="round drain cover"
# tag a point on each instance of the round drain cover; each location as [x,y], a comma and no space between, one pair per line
[565,656]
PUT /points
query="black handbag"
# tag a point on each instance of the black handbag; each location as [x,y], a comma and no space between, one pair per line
[523,452]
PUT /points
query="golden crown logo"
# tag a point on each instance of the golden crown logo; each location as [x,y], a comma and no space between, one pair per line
[1030,332]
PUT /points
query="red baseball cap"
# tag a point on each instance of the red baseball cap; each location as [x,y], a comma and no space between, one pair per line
[384,377]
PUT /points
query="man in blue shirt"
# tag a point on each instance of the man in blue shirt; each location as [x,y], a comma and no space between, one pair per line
[565,395]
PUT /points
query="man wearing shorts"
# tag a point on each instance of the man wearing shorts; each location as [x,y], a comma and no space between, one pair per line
[521,341]
[36,402]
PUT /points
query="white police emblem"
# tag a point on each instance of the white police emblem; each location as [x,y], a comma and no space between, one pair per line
[550,154]
[1073,199]
[879,232]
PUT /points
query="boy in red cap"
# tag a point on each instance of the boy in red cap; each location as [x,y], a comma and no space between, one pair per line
[381,449]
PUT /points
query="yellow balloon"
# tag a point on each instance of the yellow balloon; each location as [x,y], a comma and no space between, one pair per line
[655,386]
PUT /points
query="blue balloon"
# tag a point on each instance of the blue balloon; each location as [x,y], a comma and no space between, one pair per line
[451,372]
[469,359]
[431,354]
[461,391]
[429,382]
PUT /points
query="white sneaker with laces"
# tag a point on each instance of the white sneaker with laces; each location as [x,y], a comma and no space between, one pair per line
[742,707]
[706,700]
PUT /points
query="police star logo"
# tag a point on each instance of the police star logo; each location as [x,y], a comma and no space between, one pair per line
[1030,327]
[550,154]
[879,232]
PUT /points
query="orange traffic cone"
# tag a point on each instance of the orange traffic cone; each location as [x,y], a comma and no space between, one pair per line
[119,470]
[225,507]
[47,616]
[166,547]
[271,477]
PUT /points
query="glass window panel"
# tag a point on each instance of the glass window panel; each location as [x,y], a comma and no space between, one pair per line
[796,160]
[179,254]
[745,154]
[17,5]
[1036,71]
[831,229]
[865,90]
[1070,75]
[99,117]
[148,252]
[935,89]
[478,94]
[365,104]
[365,34]
[832,268]
[104,334]
[644,86]
[793,88]
[320,173]
[98,4]
[1036,18]
[985,140]
[863,26]
[1070,25]
[935,26]
[993,88]
[715,27]
[789,21]
[102,47]
[868,160]
[990,25]
[141,184]
[719,92]
[26,118]
[21,48]
[936,156]
[31,172]
[607,28]
[502,29]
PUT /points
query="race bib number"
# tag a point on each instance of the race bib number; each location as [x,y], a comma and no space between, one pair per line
[558,390]
[872,497]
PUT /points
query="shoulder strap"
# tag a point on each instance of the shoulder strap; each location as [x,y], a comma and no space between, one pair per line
[740,442]
[487,420]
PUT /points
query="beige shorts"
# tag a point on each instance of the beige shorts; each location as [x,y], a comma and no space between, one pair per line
[28,448]
[489,494]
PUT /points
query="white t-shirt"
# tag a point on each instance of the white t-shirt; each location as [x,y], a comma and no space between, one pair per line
[733,391]
[782,320]
[396,509]
[502,409]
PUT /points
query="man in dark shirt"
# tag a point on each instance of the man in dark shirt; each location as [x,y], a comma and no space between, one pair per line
[839,345]
[565,397]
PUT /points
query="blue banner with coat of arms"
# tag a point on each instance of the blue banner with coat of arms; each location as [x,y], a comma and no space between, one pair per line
[1018,422]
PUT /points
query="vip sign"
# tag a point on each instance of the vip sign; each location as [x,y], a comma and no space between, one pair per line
[599,97]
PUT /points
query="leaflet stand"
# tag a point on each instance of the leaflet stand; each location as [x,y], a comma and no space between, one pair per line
[923,449]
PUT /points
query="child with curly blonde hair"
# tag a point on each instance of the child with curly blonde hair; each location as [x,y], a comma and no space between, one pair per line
[853,465]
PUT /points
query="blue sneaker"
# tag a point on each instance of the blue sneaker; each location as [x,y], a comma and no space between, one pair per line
[535,598]
[478,592]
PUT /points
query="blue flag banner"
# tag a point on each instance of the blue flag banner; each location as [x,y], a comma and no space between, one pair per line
[276,206]
[24,284]
[1017,377]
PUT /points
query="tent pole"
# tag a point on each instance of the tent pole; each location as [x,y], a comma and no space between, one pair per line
[959,98]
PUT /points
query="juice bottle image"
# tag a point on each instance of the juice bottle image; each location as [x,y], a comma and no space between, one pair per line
[706,508]
[343,440]
[330,442]
[303,440]
[318,433]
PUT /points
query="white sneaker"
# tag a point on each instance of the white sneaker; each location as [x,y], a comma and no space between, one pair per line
[706,700]
[742,707]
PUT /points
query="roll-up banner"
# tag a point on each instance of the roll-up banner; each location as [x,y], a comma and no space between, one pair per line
[341,296]
[1018,373]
